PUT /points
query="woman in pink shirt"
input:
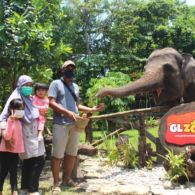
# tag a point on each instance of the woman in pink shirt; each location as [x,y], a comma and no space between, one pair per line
[41,101]
[11,145]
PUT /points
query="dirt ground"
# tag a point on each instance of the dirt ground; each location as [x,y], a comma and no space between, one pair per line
[46,182]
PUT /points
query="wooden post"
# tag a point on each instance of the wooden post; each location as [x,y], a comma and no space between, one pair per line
[142,147]
[89,133]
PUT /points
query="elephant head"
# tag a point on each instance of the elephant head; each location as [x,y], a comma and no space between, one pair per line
[162,76]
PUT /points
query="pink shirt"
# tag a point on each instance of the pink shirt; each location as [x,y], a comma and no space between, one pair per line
[42,104]
[12,139]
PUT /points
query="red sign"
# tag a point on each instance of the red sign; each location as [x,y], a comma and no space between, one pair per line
[180,129]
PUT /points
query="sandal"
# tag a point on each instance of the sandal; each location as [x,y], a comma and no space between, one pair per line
[56,190]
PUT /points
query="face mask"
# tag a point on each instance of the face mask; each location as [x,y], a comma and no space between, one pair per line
[19,113]
[68,73]
[26,91]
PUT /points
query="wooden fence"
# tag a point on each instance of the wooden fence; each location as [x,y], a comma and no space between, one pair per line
[143,148]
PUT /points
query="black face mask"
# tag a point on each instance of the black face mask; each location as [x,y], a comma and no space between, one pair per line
[69,74]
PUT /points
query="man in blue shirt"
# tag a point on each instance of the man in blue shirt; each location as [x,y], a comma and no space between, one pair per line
[64,100]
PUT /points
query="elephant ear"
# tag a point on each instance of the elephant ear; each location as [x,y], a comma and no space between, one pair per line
[188,69]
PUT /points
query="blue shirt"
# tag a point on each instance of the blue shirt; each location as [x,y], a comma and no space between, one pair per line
[62,95]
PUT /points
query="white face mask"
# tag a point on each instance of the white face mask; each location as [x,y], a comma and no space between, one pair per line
[19,113]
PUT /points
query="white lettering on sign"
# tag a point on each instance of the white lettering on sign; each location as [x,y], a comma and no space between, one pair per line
[187,128]
[176,128]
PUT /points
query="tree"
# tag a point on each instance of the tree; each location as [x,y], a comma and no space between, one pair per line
[30,41]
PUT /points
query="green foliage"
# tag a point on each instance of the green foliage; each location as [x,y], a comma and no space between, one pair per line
[126,154]
[149,164]
[29,34]
[28,41]
[42,74]
[177,166]
[152,121]
[113,157]
[129,156]
[112,79]
[182,32]
[108,143]
[135,28]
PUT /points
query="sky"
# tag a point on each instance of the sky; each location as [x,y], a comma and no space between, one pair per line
[190,2]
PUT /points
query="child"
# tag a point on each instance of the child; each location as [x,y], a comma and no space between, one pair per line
[11,144]
[41,101]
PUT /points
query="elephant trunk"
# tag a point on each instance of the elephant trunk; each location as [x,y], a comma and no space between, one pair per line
[150,81]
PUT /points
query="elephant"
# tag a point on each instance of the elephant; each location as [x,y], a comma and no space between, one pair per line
[188,74]
[169,75]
